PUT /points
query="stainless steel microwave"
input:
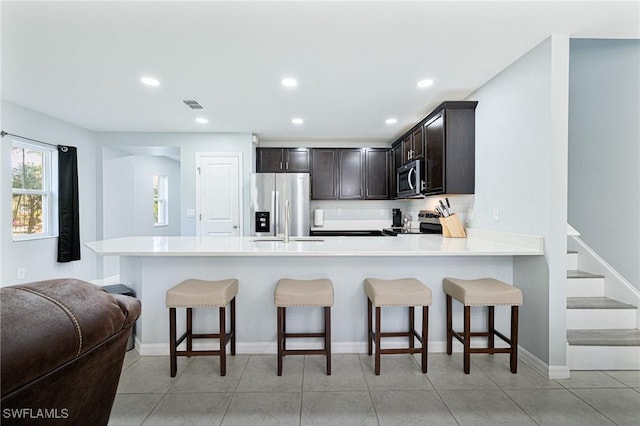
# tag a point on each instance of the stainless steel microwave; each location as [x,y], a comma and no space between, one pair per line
[410,179]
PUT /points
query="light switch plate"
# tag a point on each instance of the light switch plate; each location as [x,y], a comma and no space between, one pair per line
[191,212]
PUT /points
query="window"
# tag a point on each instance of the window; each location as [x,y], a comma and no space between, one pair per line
[160,208]
[32,206]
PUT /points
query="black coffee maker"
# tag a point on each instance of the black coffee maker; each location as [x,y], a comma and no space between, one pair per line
[397,218]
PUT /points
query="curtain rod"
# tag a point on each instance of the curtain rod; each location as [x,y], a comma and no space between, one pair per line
[3,134]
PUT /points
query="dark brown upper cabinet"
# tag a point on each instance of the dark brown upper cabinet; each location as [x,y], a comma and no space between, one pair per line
[377,173]
[434,162]
[448,148]
[350,173]
[396,161]
[459,134]
[413,145]
[283,160]
[324,175]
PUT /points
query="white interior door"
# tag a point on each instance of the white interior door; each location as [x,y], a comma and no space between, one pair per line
[218,195]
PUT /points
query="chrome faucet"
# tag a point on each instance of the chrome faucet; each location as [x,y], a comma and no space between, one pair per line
[287,220]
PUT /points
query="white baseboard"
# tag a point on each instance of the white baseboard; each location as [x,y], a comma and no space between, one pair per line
[114,279]
[548,371]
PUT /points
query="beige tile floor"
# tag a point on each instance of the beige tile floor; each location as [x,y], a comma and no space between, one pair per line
[252,394]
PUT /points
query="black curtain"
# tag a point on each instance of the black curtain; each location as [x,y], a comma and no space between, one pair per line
[68,205]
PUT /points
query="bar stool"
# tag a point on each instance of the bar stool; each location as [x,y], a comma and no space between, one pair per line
[487,292]
[191,294]
[407,292]
[307,293]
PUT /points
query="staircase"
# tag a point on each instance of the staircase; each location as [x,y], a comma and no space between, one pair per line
[602,333]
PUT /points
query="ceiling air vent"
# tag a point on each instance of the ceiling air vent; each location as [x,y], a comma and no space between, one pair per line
[193,104]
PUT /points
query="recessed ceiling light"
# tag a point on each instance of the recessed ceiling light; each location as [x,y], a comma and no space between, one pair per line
[289,82]
[297,121]
[150,81]
[202,120]
[425,83]
[391,120]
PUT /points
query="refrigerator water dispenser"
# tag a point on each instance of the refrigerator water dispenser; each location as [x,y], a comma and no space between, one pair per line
[262,222]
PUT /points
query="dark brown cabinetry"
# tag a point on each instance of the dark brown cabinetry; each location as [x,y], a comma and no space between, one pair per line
[451,132]
[447,145]
[376,174]
[324,178]
[283,160]
[434,147]
[413,145]
[350,174]
[396,161]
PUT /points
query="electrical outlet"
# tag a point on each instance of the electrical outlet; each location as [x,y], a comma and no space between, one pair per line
[339,212]
[22,273]
[496,214]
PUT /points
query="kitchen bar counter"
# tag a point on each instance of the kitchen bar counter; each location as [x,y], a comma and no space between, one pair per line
[479,243]
[152,265]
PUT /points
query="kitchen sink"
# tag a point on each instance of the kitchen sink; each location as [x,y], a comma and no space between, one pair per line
[292,239]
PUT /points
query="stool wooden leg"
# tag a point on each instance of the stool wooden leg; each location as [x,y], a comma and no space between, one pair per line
[172,342]
[449,326]
[425,336]
[491,327]
[514,339]
[223,340]
[411,326]
[189,329]
[369,326]
[284,329]
[233,326]
[467,339]
[377,332]
[280,314]
[327,337]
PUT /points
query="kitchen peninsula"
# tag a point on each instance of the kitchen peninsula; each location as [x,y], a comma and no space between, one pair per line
[151,265]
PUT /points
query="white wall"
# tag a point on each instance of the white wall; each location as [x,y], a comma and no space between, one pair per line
[38,257]
[521,163]
[604,150]
[189,144]
[127,195]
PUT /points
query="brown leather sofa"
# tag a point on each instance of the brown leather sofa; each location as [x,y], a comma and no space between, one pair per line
[62,347]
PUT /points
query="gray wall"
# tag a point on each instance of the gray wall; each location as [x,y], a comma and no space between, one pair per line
[521,162]
[604,150]
[38,257]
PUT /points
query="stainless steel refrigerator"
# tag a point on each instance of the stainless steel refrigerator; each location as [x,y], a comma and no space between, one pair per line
[269,195]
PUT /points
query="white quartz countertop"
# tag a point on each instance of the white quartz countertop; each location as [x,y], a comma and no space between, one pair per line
[478,243]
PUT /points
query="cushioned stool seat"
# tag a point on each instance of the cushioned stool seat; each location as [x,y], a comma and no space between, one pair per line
[305,293]
[194,293]
[487,292]
[408,292]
